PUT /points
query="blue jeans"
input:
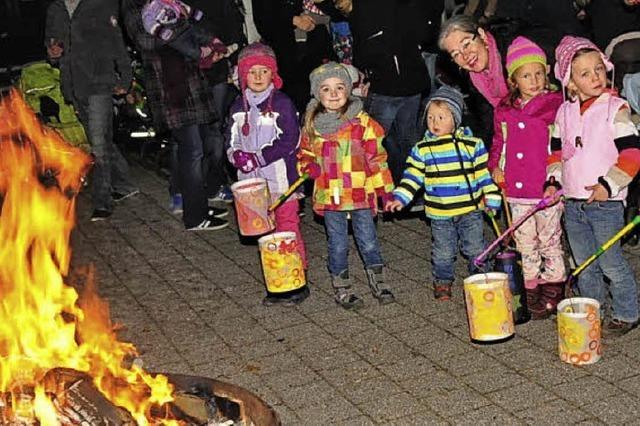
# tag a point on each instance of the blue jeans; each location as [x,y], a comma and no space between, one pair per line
[398,115]
[364,231]
[465,230]
[588,227]
[110,171]
[192,144]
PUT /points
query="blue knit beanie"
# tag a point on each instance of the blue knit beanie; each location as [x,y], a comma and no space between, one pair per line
[454,100]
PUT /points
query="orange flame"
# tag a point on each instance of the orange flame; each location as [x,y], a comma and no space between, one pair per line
[43,324]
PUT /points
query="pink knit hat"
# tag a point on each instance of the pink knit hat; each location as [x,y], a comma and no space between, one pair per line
[523,51]
[566,51]
[257,54]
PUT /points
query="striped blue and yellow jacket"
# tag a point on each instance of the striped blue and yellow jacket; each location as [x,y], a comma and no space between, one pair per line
[453,171]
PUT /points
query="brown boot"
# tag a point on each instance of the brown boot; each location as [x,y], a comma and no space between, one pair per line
[551,295]
[535,304]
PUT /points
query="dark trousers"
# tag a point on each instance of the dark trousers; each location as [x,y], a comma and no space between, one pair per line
[195,146]
[110,172]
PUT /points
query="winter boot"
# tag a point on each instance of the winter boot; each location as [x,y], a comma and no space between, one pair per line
[535,304]
[375,277]
[551,295]
[343,295]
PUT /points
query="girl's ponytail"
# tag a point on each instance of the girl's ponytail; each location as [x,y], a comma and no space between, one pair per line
[310,117]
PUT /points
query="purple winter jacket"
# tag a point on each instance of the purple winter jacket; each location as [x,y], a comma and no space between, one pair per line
[275,141]
[521,144]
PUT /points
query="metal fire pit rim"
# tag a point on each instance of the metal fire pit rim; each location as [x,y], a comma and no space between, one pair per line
[256,409]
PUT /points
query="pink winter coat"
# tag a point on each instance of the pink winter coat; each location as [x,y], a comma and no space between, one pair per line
[521,137]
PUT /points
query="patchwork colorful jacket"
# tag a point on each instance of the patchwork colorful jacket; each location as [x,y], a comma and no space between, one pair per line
[453,171]
[353,163]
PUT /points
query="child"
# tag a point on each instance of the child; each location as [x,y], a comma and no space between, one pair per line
[518,162]
[595,155]
[263,136]
[173,21]
[341,149]
[451,166]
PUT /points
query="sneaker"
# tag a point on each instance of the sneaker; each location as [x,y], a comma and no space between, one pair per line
[210,224]
[216,212]
[118,196]
[617,328]
[175,204]
[224,194]
[100,214]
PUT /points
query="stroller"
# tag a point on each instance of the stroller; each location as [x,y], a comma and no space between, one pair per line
[39,84]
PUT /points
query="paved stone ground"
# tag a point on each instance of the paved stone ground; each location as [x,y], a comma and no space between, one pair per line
[191,304]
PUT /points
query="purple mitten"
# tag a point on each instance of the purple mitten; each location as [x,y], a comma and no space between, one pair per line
[245,161]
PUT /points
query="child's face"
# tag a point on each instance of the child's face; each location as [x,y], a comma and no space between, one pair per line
[333,94]
[588,75]
[439,119]
[259,78]
[530,79]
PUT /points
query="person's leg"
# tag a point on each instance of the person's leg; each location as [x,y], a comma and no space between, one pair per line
[443,256]
[287,219]
[213,170]
[470,228]
[527,244]
[606,219]
[405,134]
[121,182]
[97,116]
[190,157]
[364,232]
[549,229]
[337,227]
[384,109]
[583,244]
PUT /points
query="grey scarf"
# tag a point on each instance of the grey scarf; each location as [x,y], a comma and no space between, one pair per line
[330,122]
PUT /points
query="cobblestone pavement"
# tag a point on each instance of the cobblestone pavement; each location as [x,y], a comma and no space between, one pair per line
[191,304]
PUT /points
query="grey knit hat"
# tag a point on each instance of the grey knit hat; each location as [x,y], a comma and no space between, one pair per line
[328,70]
[454,100]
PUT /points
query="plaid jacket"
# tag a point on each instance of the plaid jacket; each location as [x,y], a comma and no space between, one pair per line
[353,163]
[178,93]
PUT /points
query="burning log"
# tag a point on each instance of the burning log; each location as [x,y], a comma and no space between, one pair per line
[79,402]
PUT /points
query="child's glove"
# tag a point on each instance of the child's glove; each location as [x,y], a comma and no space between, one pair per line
[245,161]
[313,170]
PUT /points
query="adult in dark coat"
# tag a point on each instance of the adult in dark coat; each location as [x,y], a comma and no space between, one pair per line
[276,21]
[386,37]
[225,19]
[84,36]
[180,100]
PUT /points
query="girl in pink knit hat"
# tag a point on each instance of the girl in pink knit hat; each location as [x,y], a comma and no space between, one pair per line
[518,161]
[595,155]
[263,136]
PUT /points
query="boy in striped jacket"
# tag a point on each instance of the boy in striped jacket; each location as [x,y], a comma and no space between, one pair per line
[451,165]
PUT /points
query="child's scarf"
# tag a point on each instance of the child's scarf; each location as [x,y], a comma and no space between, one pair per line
[491,82]
[259,132]
[327,123]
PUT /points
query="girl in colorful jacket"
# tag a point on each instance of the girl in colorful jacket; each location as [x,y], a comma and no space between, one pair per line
[451,165]
[341,148]
[518,162]
[595,155]
[263,138]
